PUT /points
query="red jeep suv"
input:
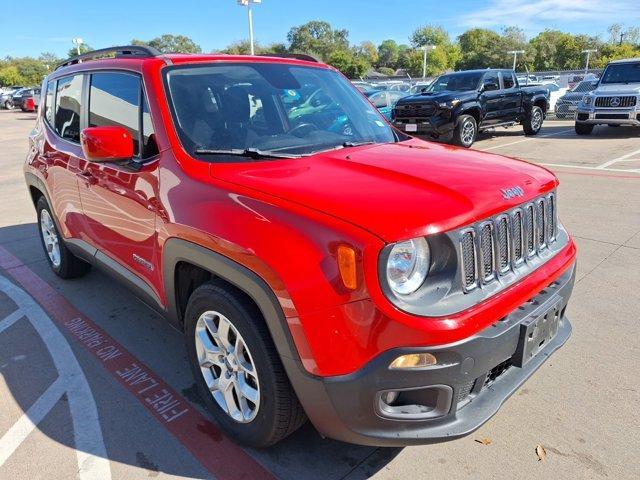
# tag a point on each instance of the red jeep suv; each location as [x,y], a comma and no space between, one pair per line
[320,263]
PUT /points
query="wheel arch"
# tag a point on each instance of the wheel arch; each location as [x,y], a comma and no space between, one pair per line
[473,110]
[184,261]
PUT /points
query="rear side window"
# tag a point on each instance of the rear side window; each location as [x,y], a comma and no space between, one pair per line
[67,112]
[49,107]
[114,100]
[508,80]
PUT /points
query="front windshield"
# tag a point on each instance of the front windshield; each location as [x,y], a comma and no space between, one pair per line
[622,73]
[274,107]
[586,86]
[456,82]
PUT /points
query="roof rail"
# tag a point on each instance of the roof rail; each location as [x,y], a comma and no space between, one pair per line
[297,56]
[141,51]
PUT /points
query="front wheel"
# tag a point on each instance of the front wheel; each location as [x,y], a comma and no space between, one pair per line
[533,123]
[465,132]
[8,105]
[584,128]
[237,369]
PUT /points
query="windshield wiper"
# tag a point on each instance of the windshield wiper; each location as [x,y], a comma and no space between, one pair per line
[254,153]
[356,144]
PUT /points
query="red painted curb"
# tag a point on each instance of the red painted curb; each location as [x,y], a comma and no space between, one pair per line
[219,455]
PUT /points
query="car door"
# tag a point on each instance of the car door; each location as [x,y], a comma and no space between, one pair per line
[59,152]
[119,199]
[491,98]
[511,97]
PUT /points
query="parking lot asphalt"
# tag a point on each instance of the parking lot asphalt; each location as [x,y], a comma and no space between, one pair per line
[67,411]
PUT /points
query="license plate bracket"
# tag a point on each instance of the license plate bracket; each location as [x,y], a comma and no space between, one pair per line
[535,334]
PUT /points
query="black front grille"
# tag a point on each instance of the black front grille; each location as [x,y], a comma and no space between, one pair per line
[465,390]
[468,259]
[517,236]
[486,250]
[502,233]
[415,110]
[612,116]
[616,102]
[528,220]
[539,227]
[497,371]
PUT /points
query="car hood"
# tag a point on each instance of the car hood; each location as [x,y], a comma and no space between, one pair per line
[619,88]
[395,191]
[573,96]
[443,96]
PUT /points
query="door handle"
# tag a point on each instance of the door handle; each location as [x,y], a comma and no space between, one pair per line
[88,177]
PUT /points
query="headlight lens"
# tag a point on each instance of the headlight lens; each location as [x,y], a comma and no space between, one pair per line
[408,265]
[449,104]
[587,99]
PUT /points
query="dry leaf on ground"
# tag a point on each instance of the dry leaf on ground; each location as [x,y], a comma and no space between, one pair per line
[541,452]
[484,441]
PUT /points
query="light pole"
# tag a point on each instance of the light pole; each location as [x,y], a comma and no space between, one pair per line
[588,52]
[515,56]
[425,49]
[248,3]
[77,42]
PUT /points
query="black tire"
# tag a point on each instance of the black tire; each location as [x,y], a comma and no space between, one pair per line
[8,105]
[533,123]
[279,412]
[462,135]
[584,128]
[69,265]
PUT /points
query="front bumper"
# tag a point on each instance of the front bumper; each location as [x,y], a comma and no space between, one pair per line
[433,127]
[609,116]
[473,379]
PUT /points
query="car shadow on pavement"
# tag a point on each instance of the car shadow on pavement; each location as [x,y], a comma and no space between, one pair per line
[132,437]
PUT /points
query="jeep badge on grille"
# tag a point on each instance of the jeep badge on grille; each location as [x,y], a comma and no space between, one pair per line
[512,192]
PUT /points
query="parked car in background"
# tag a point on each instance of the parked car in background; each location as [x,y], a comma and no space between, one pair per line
[385,100]
[400,87]
[419,86]
[20,98]
[555,92]
[614,101]
[567,104]
[6,97]
[459,105]
[527,79]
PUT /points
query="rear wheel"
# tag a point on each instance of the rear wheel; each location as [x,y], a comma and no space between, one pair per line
[237,369]
[63,263]
[8,105]
[533,123]
[584,128]
[465,132]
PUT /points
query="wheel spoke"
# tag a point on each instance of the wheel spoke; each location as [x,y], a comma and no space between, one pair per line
[222,334]
[247,391]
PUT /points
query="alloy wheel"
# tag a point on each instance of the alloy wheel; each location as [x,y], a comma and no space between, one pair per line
[50,238]
[536,120]
[468,132]
[227,366]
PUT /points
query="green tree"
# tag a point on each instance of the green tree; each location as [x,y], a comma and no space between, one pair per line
[348,63]
[31,71]
[481,48]
[171,44]
[9,75]
[430,35]
[553,49]
[444,57]
[386,71]
[317,38]
[388,54]
[368,51]
[84,48]
[611,52]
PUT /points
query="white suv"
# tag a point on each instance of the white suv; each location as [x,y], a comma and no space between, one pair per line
[616,99]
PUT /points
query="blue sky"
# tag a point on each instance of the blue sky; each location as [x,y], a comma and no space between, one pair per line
[215,23]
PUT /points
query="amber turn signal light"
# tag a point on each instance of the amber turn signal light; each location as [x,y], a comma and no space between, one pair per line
[347,266]
[413,360]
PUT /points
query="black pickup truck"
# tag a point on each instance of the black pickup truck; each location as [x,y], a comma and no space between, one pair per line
[456,106]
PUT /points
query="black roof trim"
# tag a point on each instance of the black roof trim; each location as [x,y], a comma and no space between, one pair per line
[127,51]
[297,56]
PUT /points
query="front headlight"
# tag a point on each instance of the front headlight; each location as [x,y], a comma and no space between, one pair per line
[449,104]
[408,265]
[587,99]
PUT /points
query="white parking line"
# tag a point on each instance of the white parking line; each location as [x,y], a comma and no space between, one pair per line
[616,160]
[584,167]
[10,320]
[527,140]
[91,454]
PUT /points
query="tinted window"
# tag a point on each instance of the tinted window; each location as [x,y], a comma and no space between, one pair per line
[149,146]
[379,100]
[48,102]
[508,80]
[622,73]
[114,100]
[491,81]
[67,117]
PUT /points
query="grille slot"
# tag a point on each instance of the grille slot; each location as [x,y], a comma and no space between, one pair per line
[496,246]
[517,237]
[502,243]
[622,102]
[486,251]
[468,256]
[415,110]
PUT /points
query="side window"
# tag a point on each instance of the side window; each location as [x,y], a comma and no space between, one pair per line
[491,82]
[114,100]
[67,113]
[49,107]
[508,80]
[149,145]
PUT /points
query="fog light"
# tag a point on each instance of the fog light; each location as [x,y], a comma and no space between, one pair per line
[413,360]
